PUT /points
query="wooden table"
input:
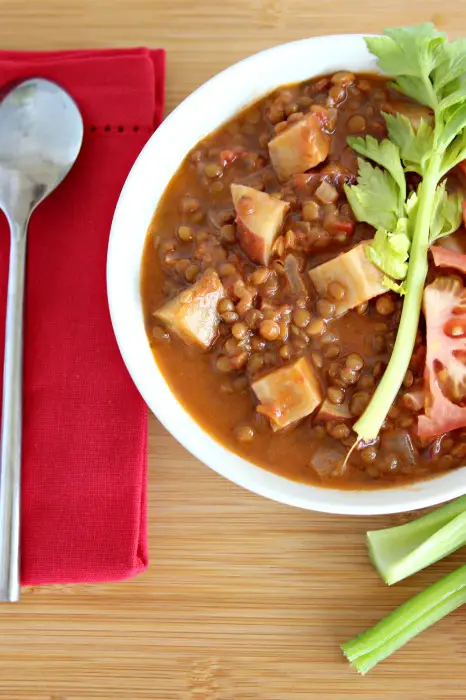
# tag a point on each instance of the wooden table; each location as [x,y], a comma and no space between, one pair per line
[244,599]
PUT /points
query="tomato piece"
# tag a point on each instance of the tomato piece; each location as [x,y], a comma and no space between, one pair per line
[228,156]
[445,369]
[455,241]
[337,225]
[462,167]
[448,258]
[463,207]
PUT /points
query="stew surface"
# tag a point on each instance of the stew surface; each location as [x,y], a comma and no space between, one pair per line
[275,363]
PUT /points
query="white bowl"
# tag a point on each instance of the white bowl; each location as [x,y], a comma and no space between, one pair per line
[210,106]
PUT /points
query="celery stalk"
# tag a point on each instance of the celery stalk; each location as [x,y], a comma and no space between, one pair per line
[398,552]
[429,69]
[369,424]
[367,649]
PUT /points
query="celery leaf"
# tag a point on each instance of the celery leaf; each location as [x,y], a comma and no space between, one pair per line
[415,146]
[376,198]
[384,153]
[447,215]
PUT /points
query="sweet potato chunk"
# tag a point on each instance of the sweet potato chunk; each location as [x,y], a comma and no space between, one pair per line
[259,218]
[192,314]
[333,411]
[353,270]
[300,147]
[289,393]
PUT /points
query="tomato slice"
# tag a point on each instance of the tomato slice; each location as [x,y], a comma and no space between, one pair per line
[462,167]
[448,258]
[445,369]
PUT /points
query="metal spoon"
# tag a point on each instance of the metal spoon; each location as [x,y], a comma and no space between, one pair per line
[41,131]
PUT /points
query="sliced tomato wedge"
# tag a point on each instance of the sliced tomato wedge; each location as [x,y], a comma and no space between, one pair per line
[444,257]
[445,369]
[462,167]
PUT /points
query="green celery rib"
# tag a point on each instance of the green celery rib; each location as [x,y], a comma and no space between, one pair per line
[392,632]
[398,552]
[369,424]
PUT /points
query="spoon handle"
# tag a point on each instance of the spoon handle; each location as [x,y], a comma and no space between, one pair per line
[10,465]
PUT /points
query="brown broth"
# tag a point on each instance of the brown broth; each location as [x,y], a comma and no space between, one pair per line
[212,397]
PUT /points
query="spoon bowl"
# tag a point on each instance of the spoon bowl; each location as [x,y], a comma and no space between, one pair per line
[41,132]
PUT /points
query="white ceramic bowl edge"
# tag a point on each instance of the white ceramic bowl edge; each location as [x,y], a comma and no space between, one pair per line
[201,113]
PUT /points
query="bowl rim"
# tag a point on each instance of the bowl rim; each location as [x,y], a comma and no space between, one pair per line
[126,316]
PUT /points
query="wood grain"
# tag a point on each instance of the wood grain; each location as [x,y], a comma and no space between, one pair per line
[245,599]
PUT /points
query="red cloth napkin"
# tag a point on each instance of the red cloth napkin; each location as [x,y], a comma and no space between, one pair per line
[85,425]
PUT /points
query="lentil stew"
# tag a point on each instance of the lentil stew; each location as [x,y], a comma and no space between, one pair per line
[262,309]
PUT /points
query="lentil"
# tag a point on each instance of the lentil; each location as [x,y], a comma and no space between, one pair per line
[344,78]
[335,394]
[336,291]
[354,361]
[270,330]
[216,187]
[348,376]
[260,275]
[328,338]
[185,234]
[379,344]
[358,402]
[239,360]
[231,346]
[408,381]
[317,359]
[356,124]
[325,308]
[189,205]
[223,364]
[239,330]
[285,352]
[366,381]
[368,454]
[283,330]
[332,351]
[257,343]
[244,433]
[339,431]
[385,305]
[230,316]
[362,308]
[225,269]
[252,318]
[228,233]
[225,304]
[270,286]
[301,318]
[255,364]
[336,94]
[191,273]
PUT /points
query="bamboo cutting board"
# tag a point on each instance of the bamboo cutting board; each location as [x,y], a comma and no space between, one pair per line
[245,599]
